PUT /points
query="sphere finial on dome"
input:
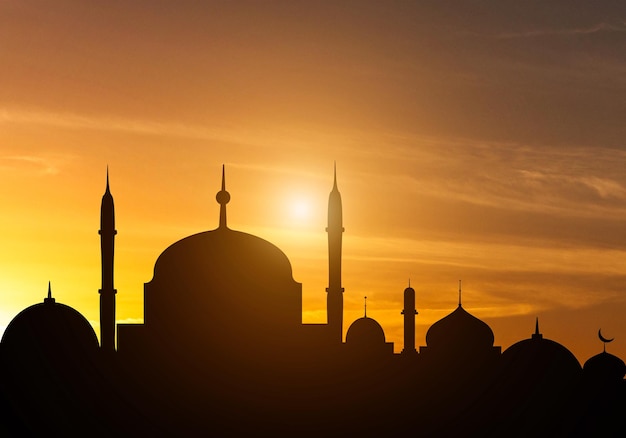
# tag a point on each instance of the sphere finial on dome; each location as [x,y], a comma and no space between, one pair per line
[223,197]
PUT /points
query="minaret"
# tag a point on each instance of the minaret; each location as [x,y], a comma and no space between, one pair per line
[409,313]
[334,303]
[107,293]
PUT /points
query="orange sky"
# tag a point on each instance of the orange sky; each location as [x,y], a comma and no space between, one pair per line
[482,142]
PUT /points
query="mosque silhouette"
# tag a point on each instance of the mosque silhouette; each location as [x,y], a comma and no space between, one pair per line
[223,352]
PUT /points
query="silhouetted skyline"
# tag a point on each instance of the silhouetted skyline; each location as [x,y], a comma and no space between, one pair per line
[476,143]
[223,351]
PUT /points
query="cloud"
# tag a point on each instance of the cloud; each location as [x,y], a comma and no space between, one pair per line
[597,28]
[40,165]
[578,181]
[104,123]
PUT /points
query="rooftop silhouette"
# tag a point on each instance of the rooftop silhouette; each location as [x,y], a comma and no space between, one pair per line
[223,352]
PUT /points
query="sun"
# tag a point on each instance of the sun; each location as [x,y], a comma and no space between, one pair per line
[300,209]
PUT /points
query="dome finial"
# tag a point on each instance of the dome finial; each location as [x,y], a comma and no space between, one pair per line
[335,175]
[365,305]
[537,325]
[409,282]
[222,198]
[604,340]
[49,299]
[460,293]
[107,190]
[537,334]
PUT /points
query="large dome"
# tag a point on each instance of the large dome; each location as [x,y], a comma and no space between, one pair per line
[49,330]
[223,246]
[540,360]
[217,294]
[224,286]
[460,330]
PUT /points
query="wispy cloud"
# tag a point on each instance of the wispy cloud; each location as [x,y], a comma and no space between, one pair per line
[597,28]
[40,165]
[105,123]
[578,181]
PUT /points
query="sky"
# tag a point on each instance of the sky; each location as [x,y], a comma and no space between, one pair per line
[480,141]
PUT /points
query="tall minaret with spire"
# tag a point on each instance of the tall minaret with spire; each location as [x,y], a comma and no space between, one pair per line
[334,303]
[409,313]
[107,292]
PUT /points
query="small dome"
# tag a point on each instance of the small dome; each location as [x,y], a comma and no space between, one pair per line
[460,329]
[49,330]
[365,332]
[605,366]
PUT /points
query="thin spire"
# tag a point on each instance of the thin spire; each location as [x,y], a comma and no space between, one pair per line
[537,325]
[49,299]
[365,305]
[335,175]
[537,334]
[459,293]
[107,190]
[223,178]
[409,282]
[222,198]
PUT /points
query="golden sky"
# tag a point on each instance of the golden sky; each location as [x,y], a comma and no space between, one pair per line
[481,141]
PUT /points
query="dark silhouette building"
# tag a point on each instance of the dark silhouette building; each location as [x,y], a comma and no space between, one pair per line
[107,249]
[335,290]
[409,313]
[223,352]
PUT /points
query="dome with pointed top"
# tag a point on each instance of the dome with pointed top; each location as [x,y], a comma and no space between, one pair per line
[541,353]
[49,330]
[460,330]
[605,366]
[365,331]
[223,282]
[540,360]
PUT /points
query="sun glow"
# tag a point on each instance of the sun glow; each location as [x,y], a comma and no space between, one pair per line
[300,210]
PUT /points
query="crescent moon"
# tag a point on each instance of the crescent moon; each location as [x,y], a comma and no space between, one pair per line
[602,338]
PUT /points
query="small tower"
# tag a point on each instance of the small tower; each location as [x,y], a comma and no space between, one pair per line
[409,313]
[334,303]
[107,292]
